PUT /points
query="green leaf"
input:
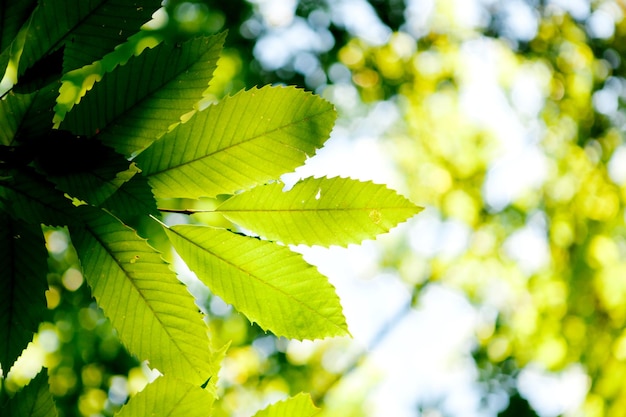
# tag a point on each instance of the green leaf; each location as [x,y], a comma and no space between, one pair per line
[132,199]
[245,140]
[99,183]
[270,284]
[299,406]
[171,397]
[89,29]
[26,115]
[319,211]
[135,104]
[32,198]
[34,400]
[152,311]
[23,284]
[12,15]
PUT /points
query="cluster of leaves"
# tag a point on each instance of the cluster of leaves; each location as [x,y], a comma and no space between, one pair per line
[140,138]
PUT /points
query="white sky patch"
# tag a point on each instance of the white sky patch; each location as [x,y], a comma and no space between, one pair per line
[579,9]
[520,20]
[521,164]
[360,19]
[617,165]
[514,174]
[435,356]
[601,24]
[276,12]
[430,236]
[529,89]
[355,151]
[470,14]
[554,394]
[529,247]
[418,16]
[277,47]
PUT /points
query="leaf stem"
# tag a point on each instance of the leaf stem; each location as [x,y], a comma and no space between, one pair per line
[183,211]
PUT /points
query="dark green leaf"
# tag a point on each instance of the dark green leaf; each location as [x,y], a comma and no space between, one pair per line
[34,400]
[89,29]
[132,199]
[13,14]
[23,260]
[24,116]
[132,106]
[30,197]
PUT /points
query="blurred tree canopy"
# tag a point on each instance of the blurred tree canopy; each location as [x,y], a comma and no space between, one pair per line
[510,134]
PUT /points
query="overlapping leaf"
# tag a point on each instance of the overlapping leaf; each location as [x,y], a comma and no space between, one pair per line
[245,140]
[271,285]
[26,115]
[153,313]
[23,257]
[170,397]
[34,400]
[89,29]
[319,211]
[133,198]
[132,106]
[12,15]
[298,406]
[98,184]
[30,197]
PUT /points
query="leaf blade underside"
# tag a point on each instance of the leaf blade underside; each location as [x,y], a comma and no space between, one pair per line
[171,397]
[244,140]
[135,104]
[34,400]
[300,405]
[89,29]
[268,283]
[152,311]
[23,283]
[319,211]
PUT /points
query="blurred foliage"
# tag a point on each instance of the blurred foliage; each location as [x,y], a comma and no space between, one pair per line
[545,253]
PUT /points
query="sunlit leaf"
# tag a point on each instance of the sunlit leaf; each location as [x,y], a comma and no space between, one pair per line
[34,400]
[170,397]
[244,140]
[298,406]
[132,106]
[23,283]
[152,311]
[319,211]
[270,284]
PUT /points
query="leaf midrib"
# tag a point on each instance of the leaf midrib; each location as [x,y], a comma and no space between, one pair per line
[237,267]
[154,314]
[243,142]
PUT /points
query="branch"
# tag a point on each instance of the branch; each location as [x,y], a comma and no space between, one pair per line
[183,211]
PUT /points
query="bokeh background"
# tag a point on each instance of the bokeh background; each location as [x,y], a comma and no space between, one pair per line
[505,297]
